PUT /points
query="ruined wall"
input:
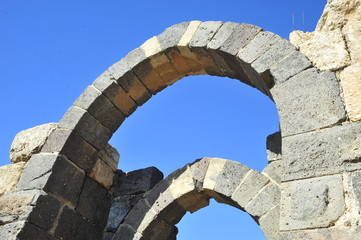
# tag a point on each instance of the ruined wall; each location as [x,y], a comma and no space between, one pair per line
[70,187]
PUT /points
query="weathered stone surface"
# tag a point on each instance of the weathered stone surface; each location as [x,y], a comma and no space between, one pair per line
[274,146]
[159,229]
[102,174]
[221,36]
[273,55]
[264,201]
[229,179]
[171,36]
[73,146]
[269,224]
[308,101]
[326,151]
[137,181]
[350,233]
[124,232]
[199,169]
[116,94]
[110,156]
[191,202]
[241,36]
[312,203]
[9,177]
[351,85]
[214,171]
[327,51]
[94,203]
[205,33]
[30,141]
[258,46]
[352,34]
[182,184]
[52,173]
[72,225]
[118,211]
[15,207]
[249,187]
[93,101]
[290,66]
[274,171]
[136,215]
[87,126]
[22,230]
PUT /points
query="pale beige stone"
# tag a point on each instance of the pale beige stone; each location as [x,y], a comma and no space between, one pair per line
[339,12]
[15,206]
[327,51]
[298,38]
[189,33]
[151,47]
[102,173]
[30,141]
[9,177]
[351,84]
[215,168]
[182,184]
[352,33]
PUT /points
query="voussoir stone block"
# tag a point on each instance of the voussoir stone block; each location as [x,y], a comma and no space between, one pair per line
[110,156]
[264,201]
[115,93]
[22,230]
[312,203]
[172,35]
[69,143]
[93,101]
[52,173]
[269,224]
[221,36]
[326,151]
[87,126]
[252,183]
[118,211]
[94,202]
[308,101]
[71,225]
[199,170]
[102,174]
[29,142]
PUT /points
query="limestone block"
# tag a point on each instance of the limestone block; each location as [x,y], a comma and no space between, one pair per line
[30,141]
[115,93]
[221,36]
[290,66]
[274,146]
[269,224]
[351,85]
[232,174]
[118,211]
[350,233]
[322,152]
[199,170]
[312,203]
[327,50]
[93,101]
[110,156]
[214,171]
[308,101]
[135,182]
[102,174]
[352,33]
[205,33]
[87,126]
[73,146]
[298,38]
[183,184]
[264,201]
[52,173]
[94,203]
[9,177]
[72,225]
[248,188]
[338,12]
[15,207]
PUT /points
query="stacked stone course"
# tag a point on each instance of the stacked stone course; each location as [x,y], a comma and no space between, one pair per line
[71,188]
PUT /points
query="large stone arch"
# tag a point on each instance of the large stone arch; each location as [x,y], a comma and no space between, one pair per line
[66,185]
[190,188]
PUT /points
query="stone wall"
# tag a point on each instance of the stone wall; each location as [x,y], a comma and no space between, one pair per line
[70,188]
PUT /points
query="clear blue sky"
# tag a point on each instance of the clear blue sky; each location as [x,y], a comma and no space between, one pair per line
[51,50]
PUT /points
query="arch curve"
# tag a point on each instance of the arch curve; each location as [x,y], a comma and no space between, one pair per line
[190,188]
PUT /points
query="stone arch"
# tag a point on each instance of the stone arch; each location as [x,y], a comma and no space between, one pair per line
[190,188]
[71,166]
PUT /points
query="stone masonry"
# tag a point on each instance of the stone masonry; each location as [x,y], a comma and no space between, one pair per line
[64,182]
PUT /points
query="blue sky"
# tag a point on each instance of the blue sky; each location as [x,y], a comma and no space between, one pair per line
[51,50]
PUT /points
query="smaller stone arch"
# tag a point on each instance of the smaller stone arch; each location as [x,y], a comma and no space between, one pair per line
[190,189]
